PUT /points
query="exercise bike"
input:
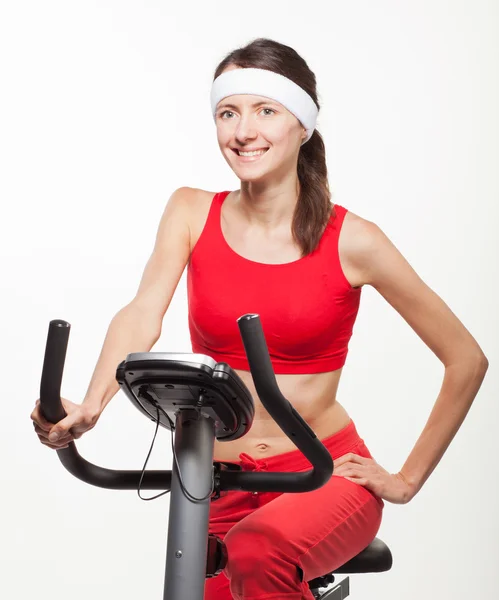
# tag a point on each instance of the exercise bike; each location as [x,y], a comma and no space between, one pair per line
[200,400]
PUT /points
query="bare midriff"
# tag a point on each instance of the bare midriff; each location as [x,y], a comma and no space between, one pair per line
[313,396]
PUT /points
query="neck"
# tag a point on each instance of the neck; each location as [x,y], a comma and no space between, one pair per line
[268,205]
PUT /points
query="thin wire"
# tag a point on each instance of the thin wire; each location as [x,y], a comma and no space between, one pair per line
[189,495]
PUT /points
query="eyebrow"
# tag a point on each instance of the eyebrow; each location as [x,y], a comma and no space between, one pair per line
[254,105]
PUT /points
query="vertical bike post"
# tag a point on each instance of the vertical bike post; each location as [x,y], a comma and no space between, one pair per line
[187,545]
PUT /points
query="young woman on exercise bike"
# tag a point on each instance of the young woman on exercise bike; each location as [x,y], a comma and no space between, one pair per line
[278,247]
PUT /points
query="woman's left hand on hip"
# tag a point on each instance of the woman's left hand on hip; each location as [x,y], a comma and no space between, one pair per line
[368,473]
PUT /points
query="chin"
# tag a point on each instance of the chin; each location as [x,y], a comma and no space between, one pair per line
[252,177]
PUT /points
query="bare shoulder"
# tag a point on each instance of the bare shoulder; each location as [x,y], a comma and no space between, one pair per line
[357,237]
[368,254]
[189,196]
[200,202]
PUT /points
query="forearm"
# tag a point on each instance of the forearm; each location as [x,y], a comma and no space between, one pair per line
[131,330]
[459,388]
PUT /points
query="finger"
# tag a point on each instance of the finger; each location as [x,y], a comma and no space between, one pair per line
[37,416]
[63,443]
[62,427]
[64,440]
[346,465]
[340,460]
[42,433]
[338,470]
[353,471]
[68,436]
[350,457]
[361,460]
[43,437]
[342,468]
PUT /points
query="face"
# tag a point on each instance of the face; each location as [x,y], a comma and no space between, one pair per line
[247,122]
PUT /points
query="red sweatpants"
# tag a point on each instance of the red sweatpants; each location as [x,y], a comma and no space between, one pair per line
[276,542]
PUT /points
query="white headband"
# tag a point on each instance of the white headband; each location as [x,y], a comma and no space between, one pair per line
[262,82]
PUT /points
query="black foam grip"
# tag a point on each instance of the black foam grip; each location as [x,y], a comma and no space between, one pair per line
[53,367]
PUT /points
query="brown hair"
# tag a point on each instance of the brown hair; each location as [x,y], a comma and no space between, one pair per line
[314,207]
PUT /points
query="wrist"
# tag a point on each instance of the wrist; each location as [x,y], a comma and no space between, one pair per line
[93,408]
[412,485]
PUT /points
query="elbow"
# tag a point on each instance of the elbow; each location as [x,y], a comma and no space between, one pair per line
[480,364]
[473,361]
[479,361]
[481,369]
[484,363]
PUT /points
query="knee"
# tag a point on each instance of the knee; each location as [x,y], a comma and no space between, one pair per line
[260,561]
[250,547]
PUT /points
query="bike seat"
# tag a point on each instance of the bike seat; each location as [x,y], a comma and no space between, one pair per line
[376,558]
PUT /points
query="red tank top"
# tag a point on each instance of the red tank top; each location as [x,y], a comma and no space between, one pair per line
[307,307]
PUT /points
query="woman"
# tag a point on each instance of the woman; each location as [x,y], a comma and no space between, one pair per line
[279,248]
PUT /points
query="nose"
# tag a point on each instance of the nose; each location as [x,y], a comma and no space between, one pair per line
[246,129]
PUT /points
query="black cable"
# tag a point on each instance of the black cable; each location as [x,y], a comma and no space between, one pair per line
[187,494]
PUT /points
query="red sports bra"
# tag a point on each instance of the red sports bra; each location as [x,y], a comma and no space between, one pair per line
[307,307]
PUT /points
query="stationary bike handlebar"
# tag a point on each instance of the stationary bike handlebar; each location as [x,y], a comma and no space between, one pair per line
[268,391]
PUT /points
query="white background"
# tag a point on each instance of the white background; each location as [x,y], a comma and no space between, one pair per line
[104,113]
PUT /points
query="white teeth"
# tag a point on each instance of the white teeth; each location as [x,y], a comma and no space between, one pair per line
[255,153]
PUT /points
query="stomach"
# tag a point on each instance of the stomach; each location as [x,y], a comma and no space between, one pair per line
[313,396]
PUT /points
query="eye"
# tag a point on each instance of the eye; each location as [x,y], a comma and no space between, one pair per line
[221,115]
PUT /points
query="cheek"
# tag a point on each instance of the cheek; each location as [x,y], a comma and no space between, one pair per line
[282,146]
[224,132]
[274,132]
[222,136]
[279,134]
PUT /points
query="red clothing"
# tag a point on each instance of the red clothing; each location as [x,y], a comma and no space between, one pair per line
[277,542]
[307,307]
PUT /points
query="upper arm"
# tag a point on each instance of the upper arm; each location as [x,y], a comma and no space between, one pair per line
[169,257]
[383,267]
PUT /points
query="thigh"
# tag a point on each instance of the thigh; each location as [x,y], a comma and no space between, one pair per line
[317,531]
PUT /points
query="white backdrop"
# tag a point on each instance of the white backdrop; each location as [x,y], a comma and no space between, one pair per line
[104,113]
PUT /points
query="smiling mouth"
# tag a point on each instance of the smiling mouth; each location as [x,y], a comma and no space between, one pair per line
[254,156]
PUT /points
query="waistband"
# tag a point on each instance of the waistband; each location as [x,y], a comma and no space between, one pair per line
[338,443]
